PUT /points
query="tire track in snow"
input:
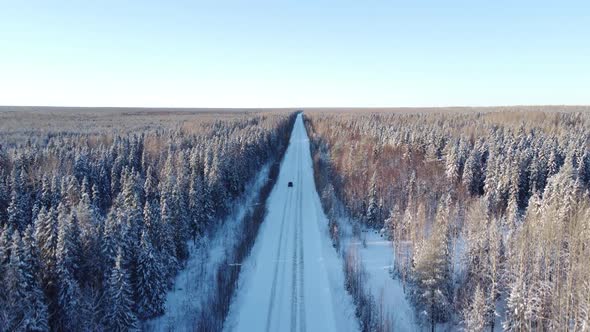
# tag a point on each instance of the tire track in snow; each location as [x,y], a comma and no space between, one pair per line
[302,323]
[296,237]
[283,260]
[279,247]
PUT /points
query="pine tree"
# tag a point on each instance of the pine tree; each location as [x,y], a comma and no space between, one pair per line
[584,169]
[513,213]
[181,226]
[168,244]
[151,209]
[14,282]
[150,286]
[475,233]
[196,205]
[67,255]
[474,317]
[118,311]
[88,221]
[111,239]
[104,199]
[516,307]
[27,309]
[132,210]
[492,184]
[4,256]
[4,199]
[18,208]
[472,174]
[373,208]
[453,167]
[392,222]
[46,235]
[207,210]
[554,163]
[56,193]
[431,278]
[70,191]
[37,312]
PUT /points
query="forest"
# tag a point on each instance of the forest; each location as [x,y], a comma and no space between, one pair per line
[97,208]
[487,210]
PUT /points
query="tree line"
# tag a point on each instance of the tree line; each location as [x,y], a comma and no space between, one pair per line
[94,221]
[488,210]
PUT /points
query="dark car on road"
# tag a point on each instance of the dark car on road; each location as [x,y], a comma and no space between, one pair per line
[290,184]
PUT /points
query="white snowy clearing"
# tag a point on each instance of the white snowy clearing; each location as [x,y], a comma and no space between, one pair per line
[377,259]
[293,278]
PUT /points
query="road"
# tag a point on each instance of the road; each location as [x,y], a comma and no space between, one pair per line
[285,284]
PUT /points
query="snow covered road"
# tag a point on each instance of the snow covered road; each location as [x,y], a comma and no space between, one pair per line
[292,280]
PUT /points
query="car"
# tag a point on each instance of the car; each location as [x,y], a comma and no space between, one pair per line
[290,184]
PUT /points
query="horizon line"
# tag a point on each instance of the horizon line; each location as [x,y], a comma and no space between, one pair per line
[4,107]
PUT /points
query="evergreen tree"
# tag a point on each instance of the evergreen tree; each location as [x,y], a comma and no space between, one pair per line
[37,318]
[88,220]
[150,287]
[70,191]
[4,199]
[474,316]
[373,208]
[168,243]
[453,167]
[118,315]
[56,194]
[584,169]
[18,209]
[196,205]
[151,209]
[554,163]
[151,223]
[14,280]
[4,255]
[391,223]
[27,310]
[104,198]
[67,256]
[472,174]
[431,278]
[206,210]
[516,307]
[46,236]
[132,225]
[181,226]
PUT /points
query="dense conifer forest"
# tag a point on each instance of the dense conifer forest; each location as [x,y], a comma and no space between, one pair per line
[97,207]
[488,210]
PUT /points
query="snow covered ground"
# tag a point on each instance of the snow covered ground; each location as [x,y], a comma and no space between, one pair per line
[293,278]
[192,286]
[377,259]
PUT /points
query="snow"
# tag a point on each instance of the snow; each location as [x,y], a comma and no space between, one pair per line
[293,278]
[192,289]
[377,259]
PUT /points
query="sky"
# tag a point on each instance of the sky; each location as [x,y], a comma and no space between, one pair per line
[304,53]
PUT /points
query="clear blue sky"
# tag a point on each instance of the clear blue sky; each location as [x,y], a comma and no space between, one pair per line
[294,53]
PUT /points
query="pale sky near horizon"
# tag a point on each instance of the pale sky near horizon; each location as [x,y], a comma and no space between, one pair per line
[294,53]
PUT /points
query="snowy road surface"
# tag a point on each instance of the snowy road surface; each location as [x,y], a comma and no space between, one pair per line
[292,280]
